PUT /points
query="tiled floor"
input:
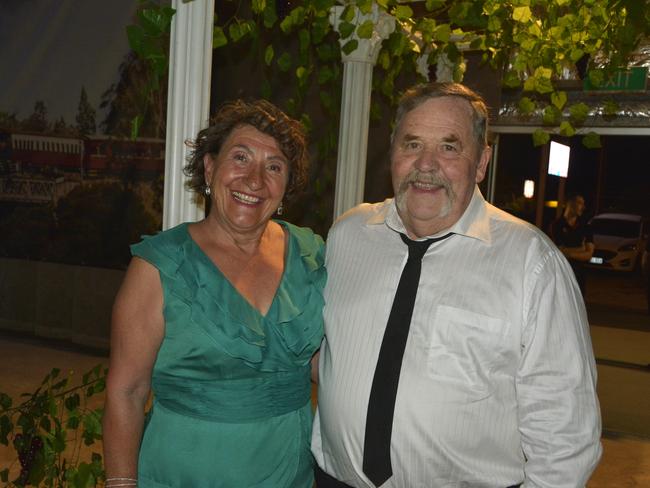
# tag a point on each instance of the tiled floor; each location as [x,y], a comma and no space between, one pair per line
[625,462]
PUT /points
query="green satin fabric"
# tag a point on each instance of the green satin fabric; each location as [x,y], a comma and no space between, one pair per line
[231,387]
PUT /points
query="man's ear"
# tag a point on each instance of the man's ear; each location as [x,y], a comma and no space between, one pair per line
[483,162]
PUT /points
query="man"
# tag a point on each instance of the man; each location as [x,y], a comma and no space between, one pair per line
[574,239]
[496,383]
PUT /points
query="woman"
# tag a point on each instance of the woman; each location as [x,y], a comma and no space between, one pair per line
[220,319]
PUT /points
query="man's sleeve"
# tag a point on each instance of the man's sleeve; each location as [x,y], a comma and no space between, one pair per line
[559,415]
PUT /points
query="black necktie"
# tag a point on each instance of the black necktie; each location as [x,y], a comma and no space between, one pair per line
[379,421]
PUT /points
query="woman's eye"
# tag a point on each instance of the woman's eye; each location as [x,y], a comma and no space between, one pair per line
[276,168]
[242,157]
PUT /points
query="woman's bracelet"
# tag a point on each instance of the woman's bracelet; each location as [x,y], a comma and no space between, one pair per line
[113,482]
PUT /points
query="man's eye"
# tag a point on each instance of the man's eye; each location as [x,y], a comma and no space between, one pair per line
[242,157]
[412,145]
[448,147]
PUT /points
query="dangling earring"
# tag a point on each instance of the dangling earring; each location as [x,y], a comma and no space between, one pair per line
[280,209]
[207,190]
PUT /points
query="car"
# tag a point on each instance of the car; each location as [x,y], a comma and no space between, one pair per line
[619,240]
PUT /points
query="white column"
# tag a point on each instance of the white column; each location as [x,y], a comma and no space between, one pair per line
[188,101]
[355,107]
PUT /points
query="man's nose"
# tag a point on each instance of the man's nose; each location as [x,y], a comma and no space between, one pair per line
[427,160]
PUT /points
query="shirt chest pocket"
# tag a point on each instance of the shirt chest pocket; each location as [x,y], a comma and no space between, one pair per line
[465,350]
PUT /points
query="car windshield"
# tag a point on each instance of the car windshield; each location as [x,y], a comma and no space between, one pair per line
[615,227]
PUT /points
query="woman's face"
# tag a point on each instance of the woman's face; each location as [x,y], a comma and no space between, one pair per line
[247,178]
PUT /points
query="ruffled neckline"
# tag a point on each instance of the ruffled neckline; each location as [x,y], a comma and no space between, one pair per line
[292,328]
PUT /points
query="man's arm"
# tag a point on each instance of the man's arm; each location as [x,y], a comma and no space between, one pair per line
[581,253]
[559,415]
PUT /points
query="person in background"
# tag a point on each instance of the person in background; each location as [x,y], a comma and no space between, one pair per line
[457,350]
[573,237]
[220,319]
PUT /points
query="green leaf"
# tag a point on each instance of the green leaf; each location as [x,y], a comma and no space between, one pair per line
[442,32]
[268,55]
[365,30]
[320,26]
[84,477]
[219,39]
[610,108]
[58,440]
[566,129]
[591,140]
[346,29]
[540,137]
[364,6]
[521,14]
[304,40]
[431,5]
[5,401]
[72,402]
[511,79]
[258,6]
[551,115]
[45,424]
[350,46]
[270,15]
[526,106]
[301,74]
[579,112]
[73,422]
[5,429]
[348,14]
[403,12]
[284,62]
[325,74]
[559,99]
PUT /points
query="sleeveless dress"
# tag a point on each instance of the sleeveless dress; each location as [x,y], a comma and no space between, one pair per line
[231,387]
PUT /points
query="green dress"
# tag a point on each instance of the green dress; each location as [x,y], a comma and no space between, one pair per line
[231,387]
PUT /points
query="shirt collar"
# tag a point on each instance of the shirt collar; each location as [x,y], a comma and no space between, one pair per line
[473,223]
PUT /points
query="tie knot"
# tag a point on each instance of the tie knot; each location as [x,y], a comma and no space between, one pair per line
[417,249]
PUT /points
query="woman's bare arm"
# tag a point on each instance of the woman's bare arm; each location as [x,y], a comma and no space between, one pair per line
[137,330]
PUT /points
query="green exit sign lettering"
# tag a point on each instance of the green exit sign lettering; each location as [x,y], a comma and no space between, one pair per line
[622,80]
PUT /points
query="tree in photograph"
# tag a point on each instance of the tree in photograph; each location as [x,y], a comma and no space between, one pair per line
[60,127]
[137,103]
[37,121]
[85,115]
[8,121]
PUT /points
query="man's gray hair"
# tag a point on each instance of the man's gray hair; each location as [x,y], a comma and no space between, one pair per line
[419,94]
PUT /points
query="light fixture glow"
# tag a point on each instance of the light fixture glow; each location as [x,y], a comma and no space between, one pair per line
[529,188]
[558,159]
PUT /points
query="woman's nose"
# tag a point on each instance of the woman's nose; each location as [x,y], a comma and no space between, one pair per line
[254,177]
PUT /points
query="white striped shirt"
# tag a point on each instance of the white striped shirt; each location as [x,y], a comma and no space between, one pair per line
[498,381]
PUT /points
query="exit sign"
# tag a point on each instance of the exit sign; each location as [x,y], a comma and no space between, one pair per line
[622,80]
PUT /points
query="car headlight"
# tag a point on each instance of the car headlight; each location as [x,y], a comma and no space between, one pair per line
[627,247]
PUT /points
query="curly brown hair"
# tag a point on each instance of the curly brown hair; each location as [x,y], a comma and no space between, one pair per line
[265,117]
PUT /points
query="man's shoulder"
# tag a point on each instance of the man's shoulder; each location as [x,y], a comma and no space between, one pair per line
[362,214]
[504,223]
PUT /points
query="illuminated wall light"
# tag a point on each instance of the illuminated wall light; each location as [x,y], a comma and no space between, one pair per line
[558,159]
[529,188]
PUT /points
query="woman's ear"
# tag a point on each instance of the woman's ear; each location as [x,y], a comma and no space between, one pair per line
[208,168]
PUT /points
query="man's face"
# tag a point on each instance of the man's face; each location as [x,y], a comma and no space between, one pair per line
[435,163]
[580,206]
